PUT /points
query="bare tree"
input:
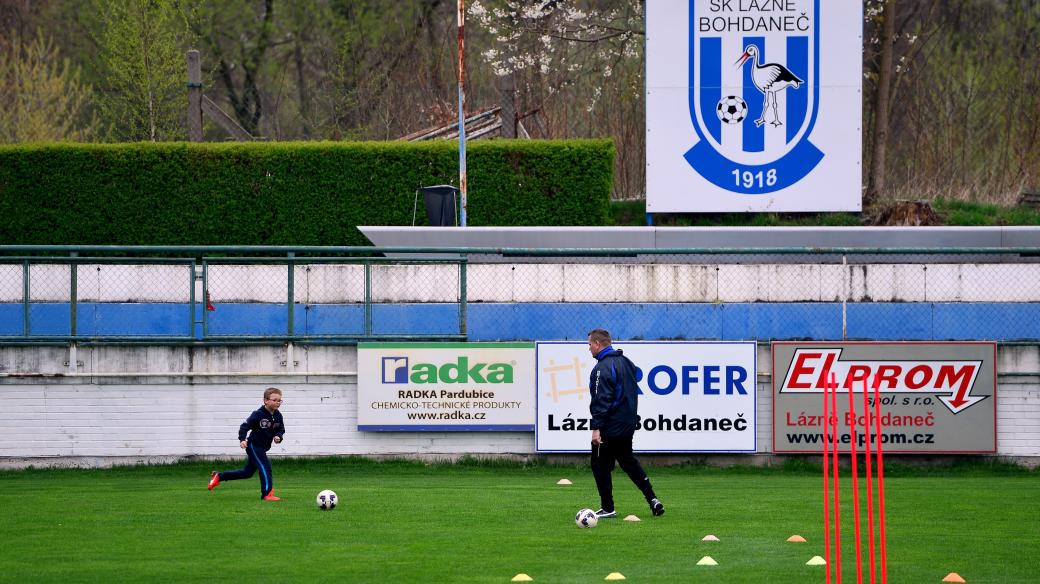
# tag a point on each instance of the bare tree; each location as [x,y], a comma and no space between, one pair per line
[238,34]
[579,64]
[882,103]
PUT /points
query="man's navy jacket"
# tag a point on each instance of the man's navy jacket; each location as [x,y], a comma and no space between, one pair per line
[615,397]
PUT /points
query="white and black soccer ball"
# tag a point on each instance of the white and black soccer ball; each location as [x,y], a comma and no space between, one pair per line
[327,500]
[586,519]
[732,110]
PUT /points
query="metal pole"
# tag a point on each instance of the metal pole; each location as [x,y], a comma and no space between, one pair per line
[368,299]
[847,293]
[826,481]
[205,294]
[191,300]
[73,293]
[880,479]
[291,294]
[462,110]
[463,267]
[25,298]
[194,96]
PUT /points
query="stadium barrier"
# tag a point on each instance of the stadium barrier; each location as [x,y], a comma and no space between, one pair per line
[147,295]
[99,346]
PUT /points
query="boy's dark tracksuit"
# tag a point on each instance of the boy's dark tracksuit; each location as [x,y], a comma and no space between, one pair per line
[614,408]
[262,426]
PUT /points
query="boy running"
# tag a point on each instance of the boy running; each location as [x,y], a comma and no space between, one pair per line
[262,428]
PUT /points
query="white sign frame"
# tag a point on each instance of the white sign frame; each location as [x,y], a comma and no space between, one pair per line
[697,163]
[562,378]
[475,402]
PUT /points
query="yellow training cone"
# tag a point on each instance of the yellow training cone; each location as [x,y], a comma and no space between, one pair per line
[707,561]
[521,577]
[816,561]
[709,537]
[953,577]
[631,518]
[614,576]
[796,539]
[564,482]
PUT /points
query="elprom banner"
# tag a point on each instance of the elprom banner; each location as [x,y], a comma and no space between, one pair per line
[753,105]
[694,396]
[934,397]
[455,387]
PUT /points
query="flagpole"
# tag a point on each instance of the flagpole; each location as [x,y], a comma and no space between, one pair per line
[462,112]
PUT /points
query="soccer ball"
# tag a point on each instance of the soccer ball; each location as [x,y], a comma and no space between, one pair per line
[731,110]
[586,519]
[327,500]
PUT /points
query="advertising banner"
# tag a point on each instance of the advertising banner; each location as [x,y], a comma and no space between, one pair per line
[753,105]
[694,396]
[934,397]
[455,387]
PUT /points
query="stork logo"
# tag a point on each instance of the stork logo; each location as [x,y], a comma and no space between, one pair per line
[764,53]
[951,381]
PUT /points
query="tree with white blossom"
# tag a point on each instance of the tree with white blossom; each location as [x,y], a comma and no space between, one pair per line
[579,64]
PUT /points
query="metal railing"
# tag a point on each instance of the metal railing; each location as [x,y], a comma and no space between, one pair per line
[319,294]
[220,294]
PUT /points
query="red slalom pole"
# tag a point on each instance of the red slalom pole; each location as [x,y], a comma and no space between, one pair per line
[826,487]
[837,482]
[870,496]
[855,482]
[880,480]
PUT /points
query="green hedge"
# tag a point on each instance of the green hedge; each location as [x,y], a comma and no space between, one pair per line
[300,193]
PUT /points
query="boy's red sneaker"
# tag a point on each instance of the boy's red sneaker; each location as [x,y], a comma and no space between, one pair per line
[214,480]
[270,497]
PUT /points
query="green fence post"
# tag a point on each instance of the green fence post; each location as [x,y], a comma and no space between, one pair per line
[73,304]
[462,295]
[191,300]
[25,298]
[292,294]
[205,294]
[368,298]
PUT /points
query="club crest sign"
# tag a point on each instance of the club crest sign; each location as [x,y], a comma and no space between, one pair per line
[753,105]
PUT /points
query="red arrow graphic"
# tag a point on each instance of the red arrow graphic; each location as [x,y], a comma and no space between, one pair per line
[961,399]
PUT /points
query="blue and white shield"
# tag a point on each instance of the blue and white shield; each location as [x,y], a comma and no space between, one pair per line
[754,92]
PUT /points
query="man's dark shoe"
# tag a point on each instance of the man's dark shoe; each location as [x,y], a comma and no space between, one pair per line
[656,507]
[601,514]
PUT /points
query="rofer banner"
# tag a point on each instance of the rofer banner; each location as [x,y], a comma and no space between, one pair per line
[694,396]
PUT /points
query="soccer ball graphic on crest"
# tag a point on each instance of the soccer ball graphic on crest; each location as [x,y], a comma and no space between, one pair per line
[586,519]
[327,500]
[731,110]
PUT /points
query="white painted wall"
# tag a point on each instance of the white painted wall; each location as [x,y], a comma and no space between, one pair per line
[52,420]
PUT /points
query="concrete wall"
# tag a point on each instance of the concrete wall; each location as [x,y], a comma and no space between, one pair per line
[72,412]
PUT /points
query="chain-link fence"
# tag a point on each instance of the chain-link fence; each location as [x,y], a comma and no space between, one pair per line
[803,294]
[230,299]
[492,295]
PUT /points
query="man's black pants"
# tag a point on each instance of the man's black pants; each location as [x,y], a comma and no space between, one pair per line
[611,450]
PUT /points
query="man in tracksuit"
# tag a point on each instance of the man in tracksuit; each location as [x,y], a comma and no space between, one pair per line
[264,426]
[614,408]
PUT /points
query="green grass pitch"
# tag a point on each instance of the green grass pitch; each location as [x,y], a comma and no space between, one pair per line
[488,521]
